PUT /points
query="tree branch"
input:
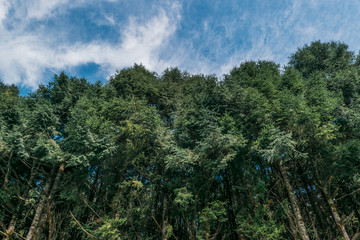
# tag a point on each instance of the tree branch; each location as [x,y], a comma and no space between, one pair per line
[81,227]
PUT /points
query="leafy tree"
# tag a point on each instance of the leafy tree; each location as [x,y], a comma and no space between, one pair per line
[263,154]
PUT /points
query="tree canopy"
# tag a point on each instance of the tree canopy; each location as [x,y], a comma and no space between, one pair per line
[264,153]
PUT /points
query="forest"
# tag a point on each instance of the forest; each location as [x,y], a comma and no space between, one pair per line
[265,152]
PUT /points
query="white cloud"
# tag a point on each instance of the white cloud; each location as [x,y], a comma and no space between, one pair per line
[278,34]
[141,43]
[110,19]
[25,56]
[4,8]
[42,8]
[214,44]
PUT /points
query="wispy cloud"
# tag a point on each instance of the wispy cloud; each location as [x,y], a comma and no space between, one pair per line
[276,34]
[26,55]
[4,8]
[38,36]
[40,9]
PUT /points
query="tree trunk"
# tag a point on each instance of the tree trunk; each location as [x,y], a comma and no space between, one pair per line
[319,215]
[350,197]
[280,187]
[11,228]
[6,179]
[293,230]
[39,210]
[298,218]
[308,213]
[230,211]
[164,219]
[336,215]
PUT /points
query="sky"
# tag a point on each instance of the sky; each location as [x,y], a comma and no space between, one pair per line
[96,38]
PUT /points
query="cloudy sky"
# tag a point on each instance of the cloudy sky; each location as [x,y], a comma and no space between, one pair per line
[94,38]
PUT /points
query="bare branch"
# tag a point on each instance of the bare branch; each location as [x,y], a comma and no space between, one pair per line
[81,227]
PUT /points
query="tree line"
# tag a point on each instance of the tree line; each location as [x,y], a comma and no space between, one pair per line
[264,153]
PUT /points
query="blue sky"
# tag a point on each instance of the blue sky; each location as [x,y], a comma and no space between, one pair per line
[94,38]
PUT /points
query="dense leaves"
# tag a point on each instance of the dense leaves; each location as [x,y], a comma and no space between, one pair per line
[266,153]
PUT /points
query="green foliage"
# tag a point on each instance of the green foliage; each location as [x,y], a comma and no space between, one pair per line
[183,197]
[326,57]
[281,146]
[109,230]
[136,81]
[262,75]
[181,156]
[261,225]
